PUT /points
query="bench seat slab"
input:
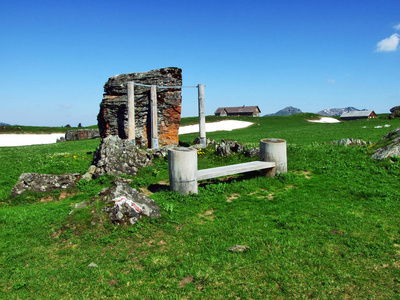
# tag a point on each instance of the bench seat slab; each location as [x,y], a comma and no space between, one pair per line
[233,169]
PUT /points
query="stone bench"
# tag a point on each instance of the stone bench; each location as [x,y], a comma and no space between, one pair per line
[234,169]
[183,173]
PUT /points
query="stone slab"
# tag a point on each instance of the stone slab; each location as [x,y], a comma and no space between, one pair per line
[233,169]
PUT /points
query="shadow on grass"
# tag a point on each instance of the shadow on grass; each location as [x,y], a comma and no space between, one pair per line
[230,179]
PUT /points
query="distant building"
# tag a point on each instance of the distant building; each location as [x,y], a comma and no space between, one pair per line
[238,111]
[355,115]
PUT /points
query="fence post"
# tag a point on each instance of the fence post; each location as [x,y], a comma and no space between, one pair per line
[131,111]
[202,116]
[274,150]
[153,114]
[182,164]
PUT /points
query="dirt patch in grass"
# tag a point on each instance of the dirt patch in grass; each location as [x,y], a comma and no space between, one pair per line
[112,282]
[232,197]
[208,215]
[185,281]
[146,191]
[62,196]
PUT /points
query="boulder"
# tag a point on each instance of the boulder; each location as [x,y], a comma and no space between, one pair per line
[113,115]
[44,182]
[252,152]
[225,148]
[127,205]
[390,145]
[197,142]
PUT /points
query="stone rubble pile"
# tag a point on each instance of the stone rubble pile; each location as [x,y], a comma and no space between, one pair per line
[116,156]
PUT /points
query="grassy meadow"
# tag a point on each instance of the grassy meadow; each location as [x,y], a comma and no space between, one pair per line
[328,229]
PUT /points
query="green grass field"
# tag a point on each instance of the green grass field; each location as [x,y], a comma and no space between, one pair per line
[328,229]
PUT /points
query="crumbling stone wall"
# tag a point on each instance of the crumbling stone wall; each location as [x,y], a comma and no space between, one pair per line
[113,115]
[82,134]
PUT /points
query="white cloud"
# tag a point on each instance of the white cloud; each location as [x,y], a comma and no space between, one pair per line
[331,80]
[65,105]
[397,27]
[388,44]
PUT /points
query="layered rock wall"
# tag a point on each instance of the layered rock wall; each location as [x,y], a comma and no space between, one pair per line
[113,115]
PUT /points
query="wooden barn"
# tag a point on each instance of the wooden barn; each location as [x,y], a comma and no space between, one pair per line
[355,115]
[238,111]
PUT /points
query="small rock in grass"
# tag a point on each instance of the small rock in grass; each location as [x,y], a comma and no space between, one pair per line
[238,248]
[92,265]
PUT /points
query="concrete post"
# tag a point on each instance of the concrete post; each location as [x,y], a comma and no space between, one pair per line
[182,163]
[274,150]
[131,111]
[202,116]
[153,114]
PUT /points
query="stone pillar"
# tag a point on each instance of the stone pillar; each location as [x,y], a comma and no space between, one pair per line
[131,111]
[202,116]
[182,163]
[274,150]
[153,113]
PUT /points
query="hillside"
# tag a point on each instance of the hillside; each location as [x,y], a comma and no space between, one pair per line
[327,229]
[290,110]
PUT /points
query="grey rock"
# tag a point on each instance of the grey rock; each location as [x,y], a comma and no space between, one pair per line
[238,248]
[351,142]
[88,175]
[225,148]
[391,149]
[92,265]
[129,205]
[253,152]
[44,182]
[79,205]
[208,142]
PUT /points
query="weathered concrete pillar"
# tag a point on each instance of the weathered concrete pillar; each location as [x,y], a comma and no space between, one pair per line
[153,113]
[131,111]
[202,116]
[274,150]
[182,164]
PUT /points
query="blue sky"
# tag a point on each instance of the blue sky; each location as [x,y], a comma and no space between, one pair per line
[57,55]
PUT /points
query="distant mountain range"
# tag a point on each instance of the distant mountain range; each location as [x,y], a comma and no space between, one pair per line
[330,112]
[4,124]
[290,110]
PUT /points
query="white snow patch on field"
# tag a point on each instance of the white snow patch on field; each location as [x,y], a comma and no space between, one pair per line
[227,125]
[7,140]
[325,120]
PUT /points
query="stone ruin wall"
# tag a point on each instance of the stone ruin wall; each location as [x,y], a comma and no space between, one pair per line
[113,115]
